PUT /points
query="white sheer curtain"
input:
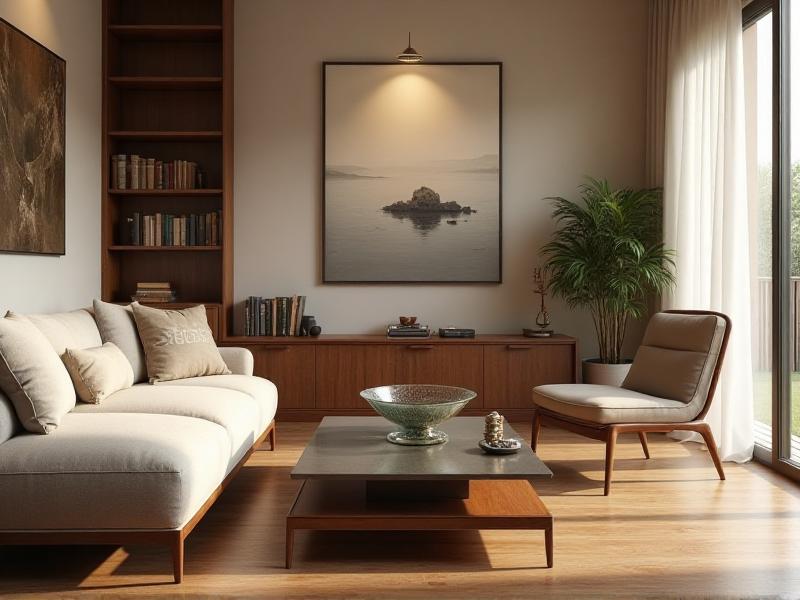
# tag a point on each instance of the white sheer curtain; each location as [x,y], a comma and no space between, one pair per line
[696,127]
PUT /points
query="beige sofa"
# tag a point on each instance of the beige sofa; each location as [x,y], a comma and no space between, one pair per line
[143,466]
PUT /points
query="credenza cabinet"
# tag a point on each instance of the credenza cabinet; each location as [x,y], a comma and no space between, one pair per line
[323,376]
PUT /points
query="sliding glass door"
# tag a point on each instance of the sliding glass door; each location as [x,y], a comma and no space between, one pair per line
[771,44]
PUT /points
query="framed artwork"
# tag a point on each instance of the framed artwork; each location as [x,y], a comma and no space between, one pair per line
[32,141]
[412,173]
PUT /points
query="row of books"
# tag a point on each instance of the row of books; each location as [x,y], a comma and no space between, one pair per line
[158,292]
[171,230]
[273,316]
[134,172]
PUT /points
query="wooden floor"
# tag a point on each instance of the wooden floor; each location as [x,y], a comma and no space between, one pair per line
[669,529]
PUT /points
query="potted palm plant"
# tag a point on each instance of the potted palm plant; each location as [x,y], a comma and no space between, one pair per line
[607,256]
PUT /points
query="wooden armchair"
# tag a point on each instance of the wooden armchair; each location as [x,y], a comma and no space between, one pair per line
[670,387]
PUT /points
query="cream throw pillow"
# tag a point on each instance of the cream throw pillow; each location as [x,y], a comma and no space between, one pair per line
[98,372]
[33,376]
[177,343]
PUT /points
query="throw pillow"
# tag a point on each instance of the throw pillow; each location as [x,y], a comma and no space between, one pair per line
[33,376]
[117,325]
[177,343]
[98,372]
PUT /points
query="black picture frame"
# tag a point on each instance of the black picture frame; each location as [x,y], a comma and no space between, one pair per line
[324,71]
[59,247]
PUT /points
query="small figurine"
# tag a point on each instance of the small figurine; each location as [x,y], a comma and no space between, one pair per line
[493,432]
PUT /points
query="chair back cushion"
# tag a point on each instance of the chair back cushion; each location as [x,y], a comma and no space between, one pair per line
[677,357]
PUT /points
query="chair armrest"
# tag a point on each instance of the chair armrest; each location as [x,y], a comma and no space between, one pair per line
[239,360]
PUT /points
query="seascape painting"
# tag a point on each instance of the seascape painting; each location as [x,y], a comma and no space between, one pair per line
[412,173]
[32,138]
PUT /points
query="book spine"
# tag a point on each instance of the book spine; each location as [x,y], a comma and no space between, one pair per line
[247,317]
[134,172]
[151,173]
[262,317]
[293,315]
[301,307]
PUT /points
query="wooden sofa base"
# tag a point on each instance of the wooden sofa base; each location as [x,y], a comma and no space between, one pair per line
[172,538]
[608,434]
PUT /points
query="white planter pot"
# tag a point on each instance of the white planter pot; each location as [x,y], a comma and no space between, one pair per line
[604,374]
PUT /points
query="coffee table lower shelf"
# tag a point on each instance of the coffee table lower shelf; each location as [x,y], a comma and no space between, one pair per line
[343,505]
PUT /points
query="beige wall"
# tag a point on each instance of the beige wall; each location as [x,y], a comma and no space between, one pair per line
[573,105]
[31,283]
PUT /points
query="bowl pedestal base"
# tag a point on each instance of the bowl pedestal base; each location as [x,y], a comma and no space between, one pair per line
[426,436]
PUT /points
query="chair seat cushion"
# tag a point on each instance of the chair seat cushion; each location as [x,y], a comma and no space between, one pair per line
[605,404]
[237,413]
[261,390]
[111,471]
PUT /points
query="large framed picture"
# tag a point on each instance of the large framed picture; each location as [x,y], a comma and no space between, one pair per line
[32,142]
[412,173]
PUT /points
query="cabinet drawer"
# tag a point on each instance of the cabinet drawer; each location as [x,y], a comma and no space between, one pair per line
[513,370]
[291,369]
[460,366]
[343,371]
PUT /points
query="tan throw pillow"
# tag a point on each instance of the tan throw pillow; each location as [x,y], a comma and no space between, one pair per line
[33,376]
[116,325]
[177,343]
[98,372]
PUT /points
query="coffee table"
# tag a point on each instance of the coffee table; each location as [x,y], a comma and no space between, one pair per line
[354,480]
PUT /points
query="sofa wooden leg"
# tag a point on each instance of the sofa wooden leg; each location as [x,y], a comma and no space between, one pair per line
[611,444]
[536,427]
[177,558]
[273,439]
[705,430]
[643,440]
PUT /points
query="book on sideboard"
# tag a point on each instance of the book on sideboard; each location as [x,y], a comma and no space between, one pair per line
[280,316]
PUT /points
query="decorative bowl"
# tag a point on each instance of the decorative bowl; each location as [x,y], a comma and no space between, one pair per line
[418,409]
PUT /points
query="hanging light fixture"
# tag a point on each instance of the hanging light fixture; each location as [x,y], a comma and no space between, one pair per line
[409,55]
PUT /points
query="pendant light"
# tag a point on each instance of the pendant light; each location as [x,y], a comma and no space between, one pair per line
[409,55]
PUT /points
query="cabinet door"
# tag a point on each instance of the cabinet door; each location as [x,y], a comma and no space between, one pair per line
[443,364]
[291,369]
[513,370]
[344,370]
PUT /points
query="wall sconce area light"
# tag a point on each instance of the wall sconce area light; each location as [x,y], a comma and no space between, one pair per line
[409,55]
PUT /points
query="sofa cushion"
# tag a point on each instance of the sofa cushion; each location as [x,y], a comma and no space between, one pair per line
[116,325]
[235,412]
[33,376]
[261,390]
[177,343]
[74,329]
[111,471]
[9,423]
[98,372]
[608,404]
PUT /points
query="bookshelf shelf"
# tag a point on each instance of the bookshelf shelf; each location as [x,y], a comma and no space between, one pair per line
[166,83]
[168,96]
[167,193]
[167,32]
[164,248]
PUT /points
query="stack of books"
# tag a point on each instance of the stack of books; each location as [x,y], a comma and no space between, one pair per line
[134,172]
[408,331]
[172,230]
[154,293]
[279,316]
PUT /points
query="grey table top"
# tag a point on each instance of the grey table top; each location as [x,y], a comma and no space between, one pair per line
[356,448]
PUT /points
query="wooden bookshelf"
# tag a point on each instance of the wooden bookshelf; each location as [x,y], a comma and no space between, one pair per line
[168,95]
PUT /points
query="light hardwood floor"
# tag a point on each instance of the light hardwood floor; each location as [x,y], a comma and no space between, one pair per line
[669,529]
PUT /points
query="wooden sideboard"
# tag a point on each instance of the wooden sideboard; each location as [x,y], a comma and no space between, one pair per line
[324,375]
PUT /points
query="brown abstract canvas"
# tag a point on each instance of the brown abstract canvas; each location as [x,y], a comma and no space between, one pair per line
[32,138]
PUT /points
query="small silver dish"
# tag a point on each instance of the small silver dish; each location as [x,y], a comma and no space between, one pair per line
[513,447]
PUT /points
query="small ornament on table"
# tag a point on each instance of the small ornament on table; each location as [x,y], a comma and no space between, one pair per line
[493,442]
[541,283]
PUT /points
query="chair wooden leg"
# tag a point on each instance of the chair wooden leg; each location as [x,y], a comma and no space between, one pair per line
[611,443]
[643,440]
[705,430]
[177,558]
[536,427]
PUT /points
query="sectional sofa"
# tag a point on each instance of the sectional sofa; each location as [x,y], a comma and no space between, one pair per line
[141,467]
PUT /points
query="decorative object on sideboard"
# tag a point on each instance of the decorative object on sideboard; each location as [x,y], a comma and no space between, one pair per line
[32,138]
[306,323]
[493,441]
[409,55]
[378,181]
[607,256]
[418,409]
[407,321]
[408,331]
[456,332]
[540,285]
[315,331]
[281,316]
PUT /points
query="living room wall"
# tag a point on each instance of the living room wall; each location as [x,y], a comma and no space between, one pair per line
[573,105]
[33,283]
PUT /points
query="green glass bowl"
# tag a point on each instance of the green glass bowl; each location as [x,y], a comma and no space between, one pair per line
[418,409]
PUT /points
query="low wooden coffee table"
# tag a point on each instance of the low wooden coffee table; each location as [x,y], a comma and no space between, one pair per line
[354,480]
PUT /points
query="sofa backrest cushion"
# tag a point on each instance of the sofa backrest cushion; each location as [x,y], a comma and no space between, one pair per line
[74,329]
[9,423]
[117,325]
[33,376]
